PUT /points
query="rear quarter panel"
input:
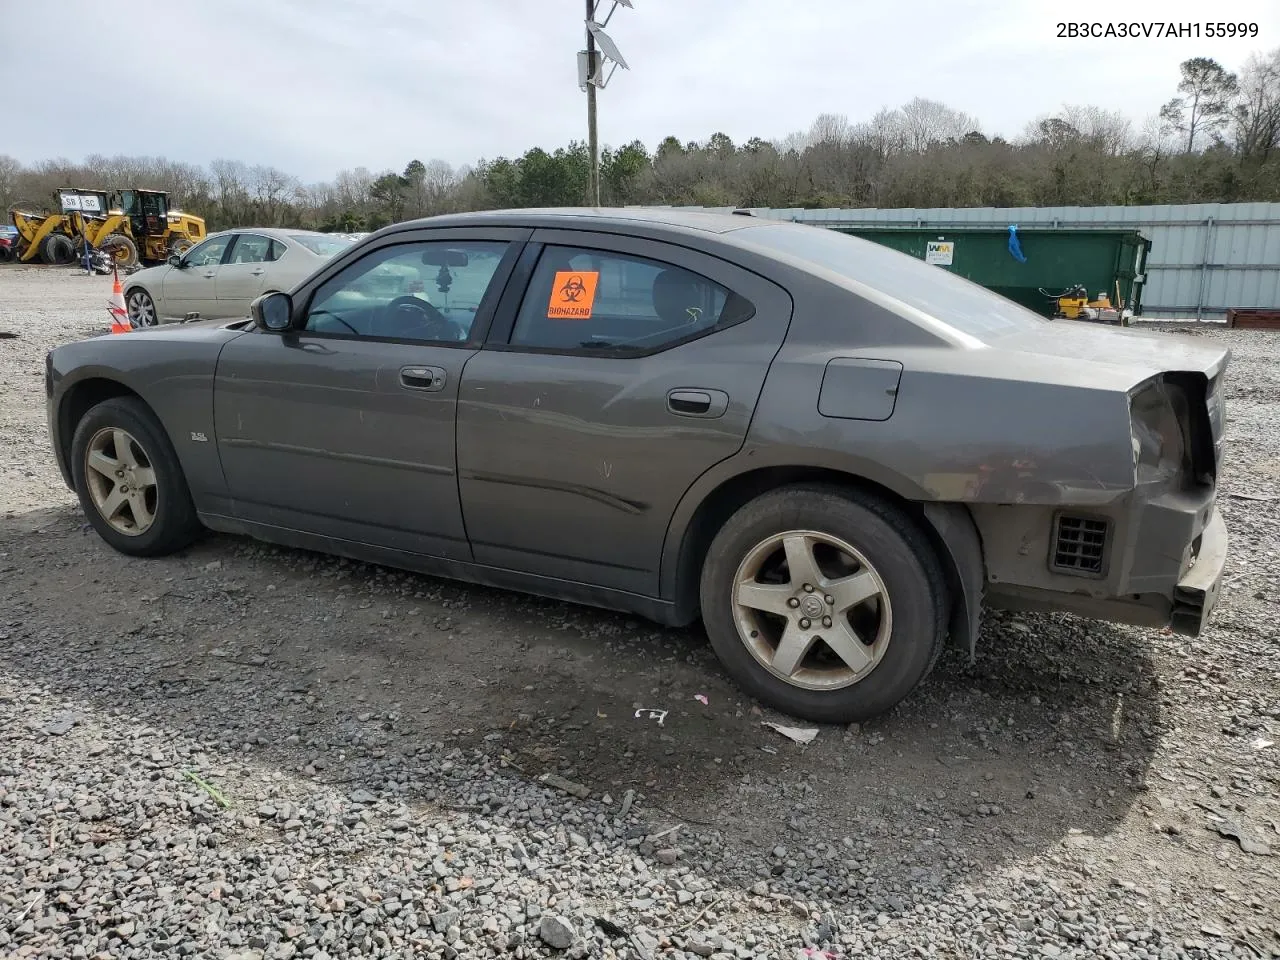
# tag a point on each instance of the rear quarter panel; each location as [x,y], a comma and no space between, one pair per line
[968,421]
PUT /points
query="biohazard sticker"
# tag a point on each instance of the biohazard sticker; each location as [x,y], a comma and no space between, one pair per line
[572,295]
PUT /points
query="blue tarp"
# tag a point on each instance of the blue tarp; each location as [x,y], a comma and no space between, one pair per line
[1015,248]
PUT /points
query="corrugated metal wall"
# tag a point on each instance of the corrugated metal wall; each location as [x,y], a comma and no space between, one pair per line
[1205,258]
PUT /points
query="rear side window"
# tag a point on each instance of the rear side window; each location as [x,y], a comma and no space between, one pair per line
[580,299]
[251,248]
[953,300]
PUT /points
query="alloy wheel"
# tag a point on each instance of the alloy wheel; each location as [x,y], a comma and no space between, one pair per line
[812,610]
[142,312]
[121,481]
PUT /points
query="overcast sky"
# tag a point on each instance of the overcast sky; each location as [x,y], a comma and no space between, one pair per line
[314,86]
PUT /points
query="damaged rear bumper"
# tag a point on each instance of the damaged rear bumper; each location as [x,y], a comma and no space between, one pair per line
[1196,594]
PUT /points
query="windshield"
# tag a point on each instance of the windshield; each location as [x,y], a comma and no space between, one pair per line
[953,300]
[321,244]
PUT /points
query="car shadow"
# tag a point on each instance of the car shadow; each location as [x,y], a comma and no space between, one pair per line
[339,670]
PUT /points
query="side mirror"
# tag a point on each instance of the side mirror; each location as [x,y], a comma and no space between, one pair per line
[272,312]
[175,260]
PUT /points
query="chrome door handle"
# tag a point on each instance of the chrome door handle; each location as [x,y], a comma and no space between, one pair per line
[257,273]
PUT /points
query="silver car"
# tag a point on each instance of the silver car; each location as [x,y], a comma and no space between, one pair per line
[220,277]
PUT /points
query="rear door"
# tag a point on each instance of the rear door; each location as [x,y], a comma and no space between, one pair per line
[192,287]
[629,369]
[241,277]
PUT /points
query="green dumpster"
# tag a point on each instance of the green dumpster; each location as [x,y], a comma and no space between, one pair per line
[1054,260]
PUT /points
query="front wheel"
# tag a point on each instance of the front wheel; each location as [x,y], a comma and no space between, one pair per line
[142,309]
[129,481]
[824,603]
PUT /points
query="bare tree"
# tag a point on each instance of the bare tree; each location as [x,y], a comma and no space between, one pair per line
[10,171]
[272,190]
[1205,105]
[1256,115]
[928,122]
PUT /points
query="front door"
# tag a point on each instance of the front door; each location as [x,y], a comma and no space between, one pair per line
[631,369]
[345,427]
[241,278]
[192,288]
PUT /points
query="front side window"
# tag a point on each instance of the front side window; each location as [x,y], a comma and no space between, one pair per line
[209,253]
[583,299]
[426,291]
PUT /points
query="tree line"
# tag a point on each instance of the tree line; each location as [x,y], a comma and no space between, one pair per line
[1217,139]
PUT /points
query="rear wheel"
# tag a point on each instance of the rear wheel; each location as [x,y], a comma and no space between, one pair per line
[179,245]
[57,250]
[142,309]
[824,603]
[129,481]
[121,249]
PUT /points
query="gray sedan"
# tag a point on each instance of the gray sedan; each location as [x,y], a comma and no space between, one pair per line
[830,453]
[220,276]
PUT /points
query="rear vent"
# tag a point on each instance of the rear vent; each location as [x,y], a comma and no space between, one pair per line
[1079,546]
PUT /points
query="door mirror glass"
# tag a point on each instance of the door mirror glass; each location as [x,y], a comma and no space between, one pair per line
[272,311]
[175,261]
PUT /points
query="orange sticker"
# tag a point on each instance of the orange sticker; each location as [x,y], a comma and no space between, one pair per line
[572,294]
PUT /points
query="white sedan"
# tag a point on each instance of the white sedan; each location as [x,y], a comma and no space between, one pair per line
[221,276]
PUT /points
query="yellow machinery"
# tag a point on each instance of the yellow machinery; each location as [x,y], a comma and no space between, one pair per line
[1074,304]
[138,226]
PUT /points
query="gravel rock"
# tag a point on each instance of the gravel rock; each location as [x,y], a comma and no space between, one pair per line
[557,932]
[267,753]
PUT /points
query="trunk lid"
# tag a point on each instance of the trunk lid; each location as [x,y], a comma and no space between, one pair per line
[1146,353]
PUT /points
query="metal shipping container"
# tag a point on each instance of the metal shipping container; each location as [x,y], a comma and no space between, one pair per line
[1206,258]
[1105,261]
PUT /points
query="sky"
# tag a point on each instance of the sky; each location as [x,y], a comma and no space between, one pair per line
[316,86]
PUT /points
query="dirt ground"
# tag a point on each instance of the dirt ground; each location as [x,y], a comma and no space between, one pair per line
[1094,759]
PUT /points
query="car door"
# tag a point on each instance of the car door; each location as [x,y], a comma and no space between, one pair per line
[344,427]
[631,368]
[241,277]
[191,287]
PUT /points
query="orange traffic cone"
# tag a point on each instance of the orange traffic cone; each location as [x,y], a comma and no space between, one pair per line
[119,313]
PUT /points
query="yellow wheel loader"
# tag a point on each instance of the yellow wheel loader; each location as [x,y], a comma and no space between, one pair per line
[137,226]
[41,235]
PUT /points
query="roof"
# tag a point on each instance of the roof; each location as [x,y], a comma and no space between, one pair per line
[282,233]
[614,216]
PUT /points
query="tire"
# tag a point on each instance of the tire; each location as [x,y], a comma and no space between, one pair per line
[122,250]
[141,308]
[6,254]
[57,250]
[859,546]
[161,514]
[179,245]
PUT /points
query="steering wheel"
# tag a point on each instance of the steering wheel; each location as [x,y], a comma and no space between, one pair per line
[438,326]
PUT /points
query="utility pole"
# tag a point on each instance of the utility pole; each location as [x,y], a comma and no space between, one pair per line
[600,47]
[593,142]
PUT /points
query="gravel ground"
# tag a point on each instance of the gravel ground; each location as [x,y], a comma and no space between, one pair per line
[244,751]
